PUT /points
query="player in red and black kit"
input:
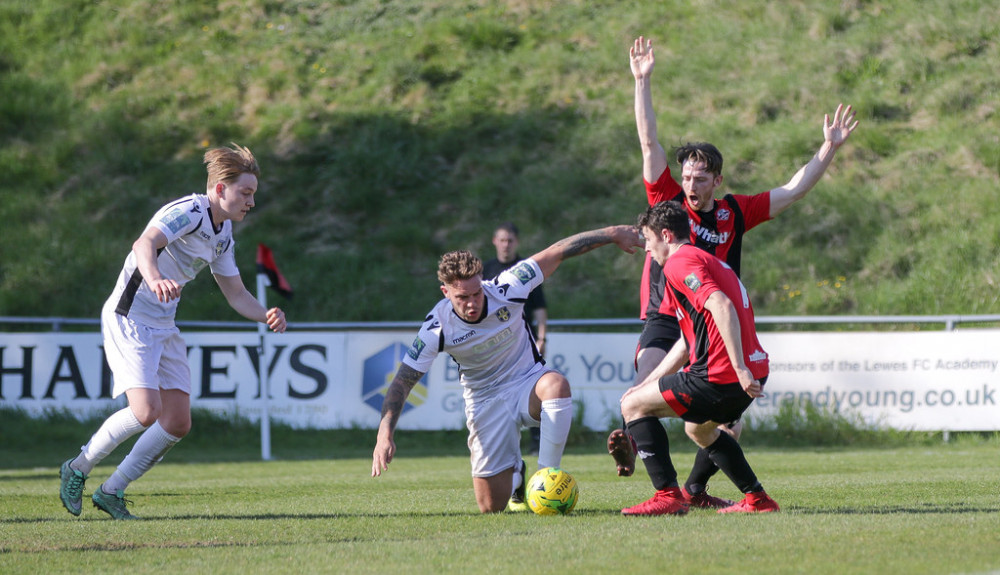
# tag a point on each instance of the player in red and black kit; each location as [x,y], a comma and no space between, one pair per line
[726,368]
[717,226]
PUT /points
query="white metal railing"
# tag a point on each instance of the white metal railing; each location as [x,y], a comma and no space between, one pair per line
[950,321]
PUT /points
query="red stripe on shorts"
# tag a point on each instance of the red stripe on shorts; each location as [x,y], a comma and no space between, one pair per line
[672,401]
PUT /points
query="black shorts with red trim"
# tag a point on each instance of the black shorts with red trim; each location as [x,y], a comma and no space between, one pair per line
[698,401]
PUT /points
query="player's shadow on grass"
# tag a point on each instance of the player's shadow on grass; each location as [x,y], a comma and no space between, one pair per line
[924,509]
[332,516]
[101,516]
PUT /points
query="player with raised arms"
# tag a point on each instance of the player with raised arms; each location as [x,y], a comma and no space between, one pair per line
[717,227]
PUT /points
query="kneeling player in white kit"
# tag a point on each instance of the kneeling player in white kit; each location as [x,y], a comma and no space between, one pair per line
[146,354]
[505,381]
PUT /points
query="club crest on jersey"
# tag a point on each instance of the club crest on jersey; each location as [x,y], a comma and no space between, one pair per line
[220,247]
[692,282]
[524,272]
[503,314]
[416,348]
[722,215]
[175,219]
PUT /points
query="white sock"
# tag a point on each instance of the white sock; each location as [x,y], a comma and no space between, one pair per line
[557,416]
[116,429]
[147,451]
[517,478]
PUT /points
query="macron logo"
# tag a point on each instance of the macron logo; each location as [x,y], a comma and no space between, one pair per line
[758,355]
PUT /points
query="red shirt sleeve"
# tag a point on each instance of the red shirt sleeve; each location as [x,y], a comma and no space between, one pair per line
[665,188]
[756,208]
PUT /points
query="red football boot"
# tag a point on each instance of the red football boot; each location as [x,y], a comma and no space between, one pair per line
[665,502]
[706,501]
[757,502]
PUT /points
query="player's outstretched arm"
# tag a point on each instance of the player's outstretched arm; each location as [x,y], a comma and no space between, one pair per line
[835,133]
[654,157]
[395,398]
[625,237]
[246,305]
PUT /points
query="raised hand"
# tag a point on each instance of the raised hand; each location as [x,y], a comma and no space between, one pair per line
[641,58]
[837,131]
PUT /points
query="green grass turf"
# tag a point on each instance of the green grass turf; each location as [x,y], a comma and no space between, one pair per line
[923,509]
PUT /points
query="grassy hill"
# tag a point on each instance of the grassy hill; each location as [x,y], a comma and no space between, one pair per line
[392,131]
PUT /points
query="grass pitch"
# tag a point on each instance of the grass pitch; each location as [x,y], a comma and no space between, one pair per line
[908,510]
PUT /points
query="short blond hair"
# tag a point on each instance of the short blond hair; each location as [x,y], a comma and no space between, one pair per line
[226,165]
[459,265]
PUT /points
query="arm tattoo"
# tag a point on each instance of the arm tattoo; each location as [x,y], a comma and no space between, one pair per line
[395,397]
[583,242]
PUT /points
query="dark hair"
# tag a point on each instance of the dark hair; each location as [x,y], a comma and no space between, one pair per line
[700,152]
[508,227]
[666,216]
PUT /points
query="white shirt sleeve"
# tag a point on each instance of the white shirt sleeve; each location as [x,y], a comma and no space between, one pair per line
[425,346]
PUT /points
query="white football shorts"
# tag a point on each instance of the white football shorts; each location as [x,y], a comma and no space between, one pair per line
[141,356]
[495,424]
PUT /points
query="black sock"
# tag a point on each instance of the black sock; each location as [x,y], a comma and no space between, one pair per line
[654,450]
[702,470]
[728,455]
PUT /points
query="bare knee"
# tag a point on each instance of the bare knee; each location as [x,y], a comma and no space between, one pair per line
[492,506]
[734,430]
[491,501]
[553,386]
[177,425]
[175,418]
[145,413]
[702,435]
[629,405]
[493,493]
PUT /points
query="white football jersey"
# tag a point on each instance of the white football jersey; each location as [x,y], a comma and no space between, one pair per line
[193,243]
[493,351]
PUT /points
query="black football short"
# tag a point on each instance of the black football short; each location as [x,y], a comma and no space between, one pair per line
[698,401]
[660,331]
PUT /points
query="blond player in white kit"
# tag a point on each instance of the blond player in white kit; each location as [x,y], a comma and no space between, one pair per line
[143,346]
[505,382]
